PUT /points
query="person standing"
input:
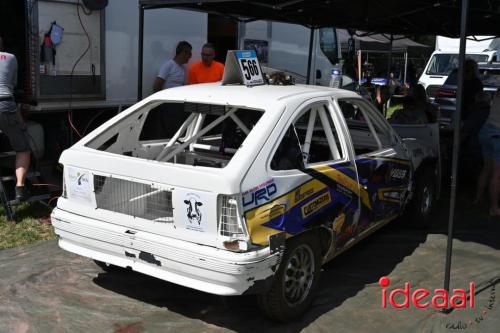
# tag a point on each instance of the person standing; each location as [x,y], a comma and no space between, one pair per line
[11,123]
[173,72]
[206,70]
[472,86]
[489,138]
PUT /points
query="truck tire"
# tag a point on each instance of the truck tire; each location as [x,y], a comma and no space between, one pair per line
[295,282]
[423,199]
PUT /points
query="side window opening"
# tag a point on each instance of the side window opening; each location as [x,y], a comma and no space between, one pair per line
[312,138]
[368,132]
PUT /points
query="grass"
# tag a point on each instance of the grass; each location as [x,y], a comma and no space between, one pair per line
[31,226]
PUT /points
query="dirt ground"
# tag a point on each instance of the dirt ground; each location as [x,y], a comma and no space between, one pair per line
[45,289]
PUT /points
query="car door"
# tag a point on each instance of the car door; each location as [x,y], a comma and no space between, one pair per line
[382,163]
[313,161]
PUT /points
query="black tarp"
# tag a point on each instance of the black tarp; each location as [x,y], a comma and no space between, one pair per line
[431,17]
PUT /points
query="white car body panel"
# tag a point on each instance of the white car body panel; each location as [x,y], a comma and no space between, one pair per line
[190,246]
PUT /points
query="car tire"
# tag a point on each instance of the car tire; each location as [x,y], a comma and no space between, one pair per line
[295,282]
[424,199]
[108,267]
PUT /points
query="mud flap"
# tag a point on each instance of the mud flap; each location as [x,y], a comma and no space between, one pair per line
[277,243]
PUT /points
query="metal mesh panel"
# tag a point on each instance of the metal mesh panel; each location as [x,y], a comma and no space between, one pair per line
[229,225]
[135,199]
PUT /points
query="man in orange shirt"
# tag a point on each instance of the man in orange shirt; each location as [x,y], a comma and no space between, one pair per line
[206,70]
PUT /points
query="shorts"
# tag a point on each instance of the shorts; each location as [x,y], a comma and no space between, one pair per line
[14,128]
[489,138]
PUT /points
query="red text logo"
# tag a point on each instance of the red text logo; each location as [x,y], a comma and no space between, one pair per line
[422,298]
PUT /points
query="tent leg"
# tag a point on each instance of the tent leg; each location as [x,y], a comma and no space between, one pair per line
[359,67]
[406,66]
[390,57]
[141,53]
[456,141]
[309,59]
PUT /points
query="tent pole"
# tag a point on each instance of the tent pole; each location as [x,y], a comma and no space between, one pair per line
[456,141]
[406,66]
[359,67]
[390,57]
[141,52]
[309,59]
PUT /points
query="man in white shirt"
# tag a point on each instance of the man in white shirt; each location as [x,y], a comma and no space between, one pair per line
[173,72]
[11,123]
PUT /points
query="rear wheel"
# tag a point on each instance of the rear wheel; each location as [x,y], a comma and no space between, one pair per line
[423,198]
[295,281]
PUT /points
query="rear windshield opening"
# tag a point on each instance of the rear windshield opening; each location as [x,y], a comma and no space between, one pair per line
[181,133]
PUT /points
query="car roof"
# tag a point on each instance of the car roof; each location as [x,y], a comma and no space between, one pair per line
[256,96]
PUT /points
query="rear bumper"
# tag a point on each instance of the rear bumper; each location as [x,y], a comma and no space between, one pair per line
[191,265]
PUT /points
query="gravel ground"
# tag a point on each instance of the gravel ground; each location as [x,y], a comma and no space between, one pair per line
[45,289]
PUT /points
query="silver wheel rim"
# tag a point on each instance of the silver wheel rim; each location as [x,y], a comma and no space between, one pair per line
[426,201]
[299,275]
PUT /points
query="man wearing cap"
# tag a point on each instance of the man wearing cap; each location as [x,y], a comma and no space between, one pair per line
[206,70]
[11,123]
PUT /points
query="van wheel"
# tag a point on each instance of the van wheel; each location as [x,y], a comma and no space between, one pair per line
[108,267]
[295,281]
[424,199]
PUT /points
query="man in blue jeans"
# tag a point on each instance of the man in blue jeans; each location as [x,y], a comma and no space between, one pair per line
[11,122]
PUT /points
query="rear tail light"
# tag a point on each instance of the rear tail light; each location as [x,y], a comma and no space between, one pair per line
[231,226]
[444,92]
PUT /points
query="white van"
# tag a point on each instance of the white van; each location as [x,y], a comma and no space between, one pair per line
[445,59]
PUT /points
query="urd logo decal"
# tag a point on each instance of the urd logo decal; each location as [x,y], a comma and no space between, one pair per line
[316,204]
[193,210]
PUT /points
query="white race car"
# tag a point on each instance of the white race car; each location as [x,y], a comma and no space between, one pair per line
[237,190]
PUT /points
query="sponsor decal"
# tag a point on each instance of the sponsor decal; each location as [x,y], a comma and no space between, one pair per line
[299,196]
[316,204]
[193,211]
[79,185]
[259,194]
[398,173]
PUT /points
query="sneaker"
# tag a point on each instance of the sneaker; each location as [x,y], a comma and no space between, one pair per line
[22,193]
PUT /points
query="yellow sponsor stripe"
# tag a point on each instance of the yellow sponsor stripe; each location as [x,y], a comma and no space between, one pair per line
[345,181]
[255,218]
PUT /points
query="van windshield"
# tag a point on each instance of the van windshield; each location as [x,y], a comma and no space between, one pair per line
[443,63]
